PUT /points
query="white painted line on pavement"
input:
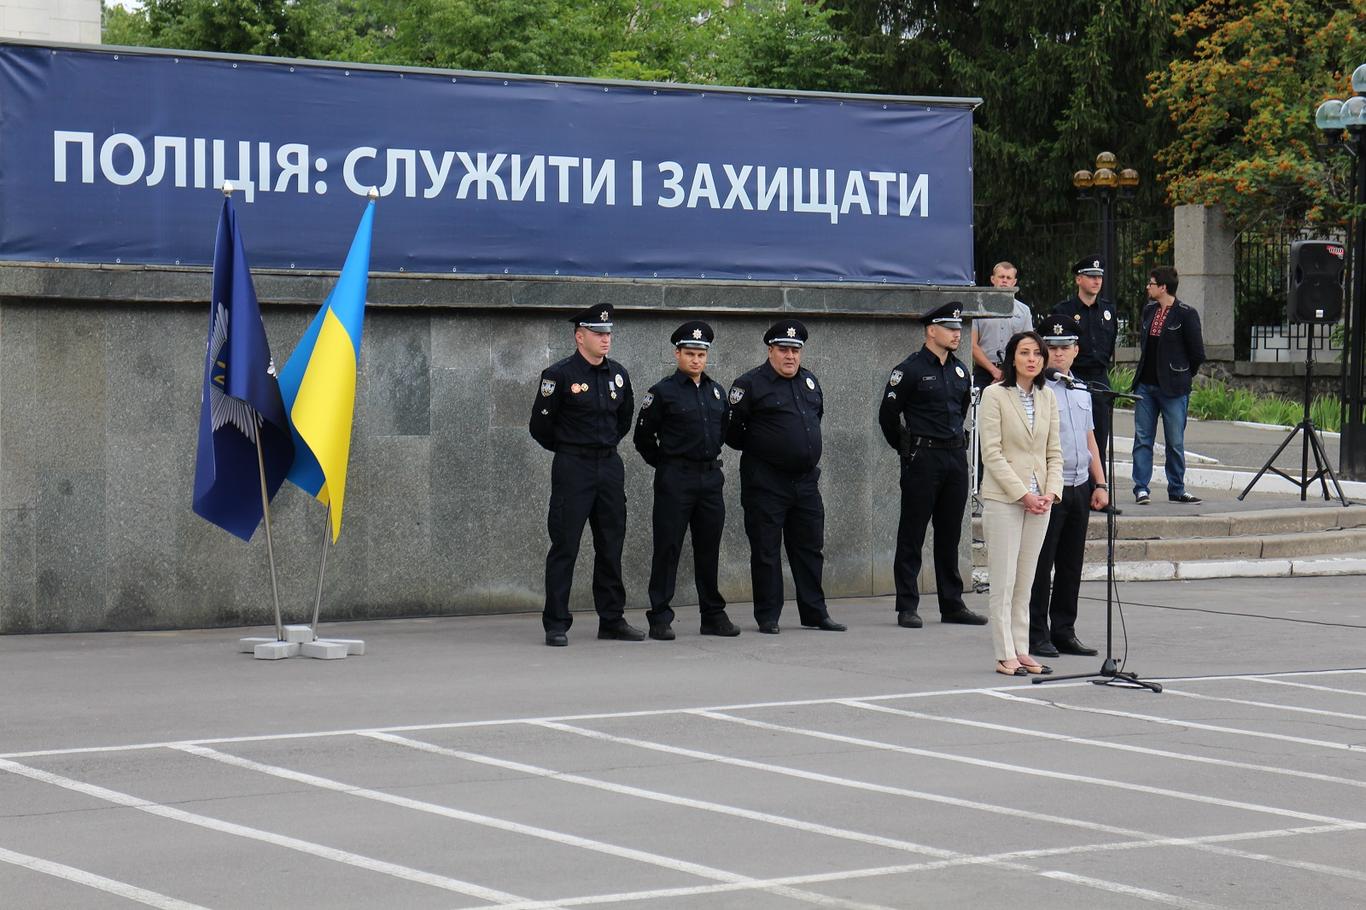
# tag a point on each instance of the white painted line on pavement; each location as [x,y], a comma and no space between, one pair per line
[1107,744]
[344,857]
[1282,682]
[1186,724]
[1146,894]
[610,715]
[1276,706]
[1031,772]
[488,821]
[98,882]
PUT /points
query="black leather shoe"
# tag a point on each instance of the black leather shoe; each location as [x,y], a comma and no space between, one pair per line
[1043,649]
[829,625]
[1073,646]
[556,639]
[909,619]
[965,617]
[768,628]
[620,631]
[661,631]
[719,625]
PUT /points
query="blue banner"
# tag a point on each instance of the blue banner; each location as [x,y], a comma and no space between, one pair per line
[109,156]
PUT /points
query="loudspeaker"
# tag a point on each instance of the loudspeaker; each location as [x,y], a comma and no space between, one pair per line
[1315,292]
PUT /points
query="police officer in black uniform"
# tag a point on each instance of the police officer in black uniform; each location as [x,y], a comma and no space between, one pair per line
[582,410]
[1093,318]
[679,433]
[921,415]
[775,422]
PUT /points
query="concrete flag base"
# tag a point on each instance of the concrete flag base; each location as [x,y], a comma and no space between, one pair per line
[276,650]
[299,634]
[323,650]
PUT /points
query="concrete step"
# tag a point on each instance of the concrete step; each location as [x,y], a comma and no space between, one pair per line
[1158,570]
[1134,525]
[1240,546]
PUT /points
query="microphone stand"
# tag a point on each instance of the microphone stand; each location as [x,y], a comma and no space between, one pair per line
[1109,671]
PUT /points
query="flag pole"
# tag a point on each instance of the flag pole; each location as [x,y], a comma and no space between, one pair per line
[322,567]
[270,547]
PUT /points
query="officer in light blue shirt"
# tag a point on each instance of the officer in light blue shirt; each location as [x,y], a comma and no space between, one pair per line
[1053,607]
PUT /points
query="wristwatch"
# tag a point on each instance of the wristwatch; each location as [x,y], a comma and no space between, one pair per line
[1102,486]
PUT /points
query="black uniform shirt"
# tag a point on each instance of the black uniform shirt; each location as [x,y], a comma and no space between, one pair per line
[777,420]
[1097,328]
[581,404]
[932,396]
[682,419]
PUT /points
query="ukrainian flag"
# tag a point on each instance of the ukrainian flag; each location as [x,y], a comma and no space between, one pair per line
[318,381]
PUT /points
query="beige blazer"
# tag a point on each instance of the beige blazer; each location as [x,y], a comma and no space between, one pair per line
[1012,451]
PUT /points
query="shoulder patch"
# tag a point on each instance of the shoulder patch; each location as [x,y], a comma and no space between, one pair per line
[648,400]
[896,377]
[547,388]
[736,393]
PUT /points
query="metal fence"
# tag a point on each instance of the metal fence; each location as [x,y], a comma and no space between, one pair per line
[1261,274]
[1046,255]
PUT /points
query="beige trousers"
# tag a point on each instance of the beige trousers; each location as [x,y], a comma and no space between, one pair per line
[1014,538]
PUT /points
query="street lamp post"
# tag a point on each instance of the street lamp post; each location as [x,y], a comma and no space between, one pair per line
[1333,116]
[1104,186]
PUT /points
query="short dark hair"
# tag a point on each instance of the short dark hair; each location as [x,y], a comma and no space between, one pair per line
[1165,276]
[1008,377]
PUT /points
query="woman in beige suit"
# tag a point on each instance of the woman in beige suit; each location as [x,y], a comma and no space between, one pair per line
[1022,478]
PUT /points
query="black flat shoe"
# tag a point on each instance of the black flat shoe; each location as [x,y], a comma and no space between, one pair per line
[1073,646]
[1045,649]
[909,619]
[720,625]
[556,639]
[768,628]
[620,631]
[964,617]
[662,631]
[829,625]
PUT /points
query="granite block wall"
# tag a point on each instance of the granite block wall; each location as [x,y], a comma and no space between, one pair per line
[100,374]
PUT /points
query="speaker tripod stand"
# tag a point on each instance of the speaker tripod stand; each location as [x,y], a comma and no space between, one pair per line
[1109,672]
[1311,441]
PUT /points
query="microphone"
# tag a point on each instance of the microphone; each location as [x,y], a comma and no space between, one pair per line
[1060,376]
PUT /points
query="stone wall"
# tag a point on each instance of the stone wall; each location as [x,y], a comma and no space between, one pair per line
[100,378]
[65,21]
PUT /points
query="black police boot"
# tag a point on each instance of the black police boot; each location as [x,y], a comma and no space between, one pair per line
[719,624]
[662,631]
[620,630]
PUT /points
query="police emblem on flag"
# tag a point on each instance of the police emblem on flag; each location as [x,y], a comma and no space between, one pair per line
[896,377]
[736,393]
[547,388]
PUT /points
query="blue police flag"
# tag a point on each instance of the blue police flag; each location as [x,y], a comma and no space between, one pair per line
[241,397]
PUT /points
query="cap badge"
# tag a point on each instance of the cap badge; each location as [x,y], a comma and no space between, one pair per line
[619,381]
[791,332]
[697,333]
[603,315]
[896,377]
[957,314]
[736,393]
[811,383]
[547,388]
[1095,263]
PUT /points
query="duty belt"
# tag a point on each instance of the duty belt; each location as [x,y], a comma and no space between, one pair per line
[930,442]
[586,451]
[693,463]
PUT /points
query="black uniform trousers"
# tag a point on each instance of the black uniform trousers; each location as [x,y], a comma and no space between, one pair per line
[585,489]
[783,509]
[1064,548]
[688,494]
[934,489]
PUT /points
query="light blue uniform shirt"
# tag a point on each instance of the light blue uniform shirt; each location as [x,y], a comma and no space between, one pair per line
[1074,421]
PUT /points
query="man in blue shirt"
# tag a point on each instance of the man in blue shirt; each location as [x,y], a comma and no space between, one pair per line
[1053,614]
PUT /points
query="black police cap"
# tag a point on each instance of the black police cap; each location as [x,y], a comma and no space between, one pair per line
[787,332]
[1058,330]
[948,316]
[1089,265]
[597,318]
[695,334]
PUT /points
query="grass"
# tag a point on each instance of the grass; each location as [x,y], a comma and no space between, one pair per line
[1213,399]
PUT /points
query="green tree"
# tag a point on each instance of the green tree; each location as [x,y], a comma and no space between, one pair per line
[1241,100]
[280,28]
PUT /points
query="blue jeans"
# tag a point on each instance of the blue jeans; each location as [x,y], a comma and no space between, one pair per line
[1150,402]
